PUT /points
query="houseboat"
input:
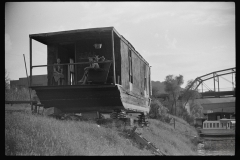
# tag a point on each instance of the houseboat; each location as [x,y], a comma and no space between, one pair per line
[219,124]
[122,81]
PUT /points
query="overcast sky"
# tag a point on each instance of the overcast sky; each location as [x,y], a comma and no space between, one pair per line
[187,38]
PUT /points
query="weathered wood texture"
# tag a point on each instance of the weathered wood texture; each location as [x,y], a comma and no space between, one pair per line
[147,80]
[134,99]
[150,83]
[117,59]
[80,99]
[140,71]
[136,74]
[142,77]
[124,66]
[20,102]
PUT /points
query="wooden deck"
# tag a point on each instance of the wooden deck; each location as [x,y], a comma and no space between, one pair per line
[20,102]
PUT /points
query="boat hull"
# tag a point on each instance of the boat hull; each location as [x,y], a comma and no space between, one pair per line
[90,98]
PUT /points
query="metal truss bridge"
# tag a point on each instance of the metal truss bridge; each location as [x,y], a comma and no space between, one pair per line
[215,93]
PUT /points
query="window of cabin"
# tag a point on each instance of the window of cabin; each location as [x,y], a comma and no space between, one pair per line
[130,66]
[217,125]
[210,125]
[213,125]
[204,125]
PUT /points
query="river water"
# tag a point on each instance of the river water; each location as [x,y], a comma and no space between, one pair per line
[217,147]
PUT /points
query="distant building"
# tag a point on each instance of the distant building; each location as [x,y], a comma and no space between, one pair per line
[218,107]
[215,109]
[37,80]
[220,115]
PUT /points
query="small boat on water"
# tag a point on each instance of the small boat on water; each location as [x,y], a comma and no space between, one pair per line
[219,128]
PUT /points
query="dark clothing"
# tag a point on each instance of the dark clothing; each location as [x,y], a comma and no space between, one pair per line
[57,73]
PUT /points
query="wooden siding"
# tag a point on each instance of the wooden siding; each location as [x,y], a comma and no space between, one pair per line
[117,58]
[124,66]
[140,70]
[136,74]
[142,75]
[51,59]
[80,98]
[148,81]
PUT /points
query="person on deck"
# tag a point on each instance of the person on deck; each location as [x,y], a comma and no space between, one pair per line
[93,64]
[58,73]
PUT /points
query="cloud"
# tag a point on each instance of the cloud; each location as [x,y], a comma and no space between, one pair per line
[156,35]
[8,43]
[170,43]
[149,16]
[215,14]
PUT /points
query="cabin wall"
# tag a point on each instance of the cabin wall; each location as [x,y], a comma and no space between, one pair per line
[136,74]
[148,87]
[117,59]
[52,52]
[142,76]
[124,66]
[140,70]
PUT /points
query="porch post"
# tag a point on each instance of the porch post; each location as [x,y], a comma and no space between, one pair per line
[75,66]
[113,56]
[30,55]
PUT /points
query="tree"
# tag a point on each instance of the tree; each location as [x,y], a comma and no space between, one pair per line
[173,88]
[157,88]
[196,109]
[188,93]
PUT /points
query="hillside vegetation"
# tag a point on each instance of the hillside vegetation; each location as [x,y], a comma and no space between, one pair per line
[27,134]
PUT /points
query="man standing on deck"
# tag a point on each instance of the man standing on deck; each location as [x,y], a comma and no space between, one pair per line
[58,73]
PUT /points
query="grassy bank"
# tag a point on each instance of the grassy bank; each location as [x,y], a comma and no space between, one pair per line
[27,134]
[169,140]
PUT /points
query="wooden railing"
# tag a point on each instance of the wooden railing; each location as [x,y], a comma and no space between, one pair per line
[66,64]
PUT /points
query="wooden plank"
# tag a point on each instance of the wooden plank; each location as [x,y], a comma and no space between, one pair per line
[136,74]
[124,66]
[30,58]
[70,99]
[144,142]
[75,67]
[113,58]
[117,59]
[20,102]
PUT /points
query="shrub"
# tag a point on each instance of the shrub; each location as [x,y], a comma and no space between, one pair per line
[20,94]
[158,111]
